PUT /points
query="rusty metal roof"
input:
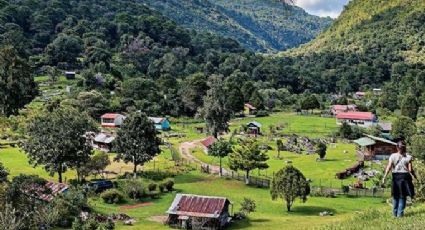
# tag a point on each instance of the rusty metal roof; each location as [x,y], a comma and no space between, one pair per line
[198,206]
[49,192]
[207,142]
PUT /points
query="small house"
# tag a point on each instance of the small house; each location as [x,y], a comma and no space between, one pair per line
[359,95]
[103,141]
[199,212]
[361,119]
[47,192]
[377,91]
[161,123]
[200,129]
[336,109]
[254,128]
[250,109]
[112,120]
[371,147]
[207,142]
[70,75]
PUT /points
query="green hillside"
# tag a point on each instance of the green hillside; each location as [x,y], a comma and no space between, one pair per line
[258,25]
[372,42]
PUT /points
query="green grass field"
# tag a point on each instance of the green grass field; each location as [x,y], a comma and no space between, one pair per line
[269,215]
[311,126]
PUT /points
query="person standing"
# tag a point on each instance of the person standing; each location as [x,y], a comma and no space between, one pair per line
[400,164]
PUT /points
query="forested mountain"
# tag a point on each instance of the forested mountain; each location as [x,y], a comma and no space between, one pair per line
[371,43]
[260,25]
[128,56]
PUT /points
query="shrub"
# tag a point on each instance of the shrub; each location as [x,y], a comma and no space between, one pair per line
[161,187]
[169,184]
[133,188]
[262,113]
[112,196]
[152,187]
[247,206]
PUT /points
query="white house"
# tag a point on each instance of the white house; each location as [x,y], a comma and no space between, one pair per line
[112,120]
[361,119]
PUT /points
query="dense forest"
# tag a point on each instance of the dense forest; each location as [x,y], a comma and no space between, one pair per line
[130,57]
[264,26]
[372,44]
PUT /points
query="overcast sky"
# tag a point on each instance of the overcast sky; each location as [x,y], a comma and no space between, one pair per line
[323,8]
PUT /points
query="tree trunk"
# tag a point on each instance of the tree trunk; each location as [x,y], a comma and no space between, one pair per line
[247,177]
[221,169]
[135,170]
[60,173]
[278,153]
[288,205]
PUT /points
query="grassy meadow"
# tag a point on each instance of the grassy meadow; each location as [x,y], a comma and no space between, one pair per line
[269,215]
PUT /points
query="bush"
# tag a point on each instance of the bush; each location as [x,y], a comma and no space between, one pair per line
[133,188]
[112,196]
[161,187]
[262,113]
[169,184]
[152,187]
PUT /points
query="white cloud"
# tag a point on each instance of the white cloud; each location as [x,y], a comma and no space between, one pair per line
[323,8]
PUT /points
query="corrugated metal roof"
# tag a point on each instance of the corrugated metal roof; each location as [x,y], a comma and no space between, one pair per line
[111,115]
[381,140]
[157,120]
[208,141]
[40,193]
[356,116]
[257,124]
[104,138]
[365,141]
[198,206]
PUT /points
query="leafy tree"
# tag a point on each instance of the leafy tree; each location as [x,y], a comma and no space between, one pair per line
[3,173]
[247,206]
[409,106]
[309,102]
[137,141]
[403,127]
[58,140]
[220,149]
[375,130]
[280,147]
[257,100]
[64,49]
[93,102]
[17,86]
[247,157]
[95,165]
[417,147]
[321,149]
[345,130]
[288,184]
[193,90]
[215,111]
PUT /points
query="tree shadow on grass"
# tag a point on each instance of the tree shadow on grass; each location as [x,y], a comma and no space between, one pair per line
[310,210]
[243,224]
[190,178]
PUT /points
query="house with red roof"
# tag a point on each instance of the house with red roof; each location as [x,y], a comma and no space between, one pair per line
[112,120]
[207,142]
[199,212]
[361,119]
[335,109]
[249,109]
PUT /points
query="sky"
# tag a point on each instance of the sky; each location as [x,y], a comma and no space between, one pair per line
[323,8]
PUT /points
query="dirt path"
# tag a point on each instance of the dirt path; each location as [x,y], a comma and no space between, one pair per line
[185,150]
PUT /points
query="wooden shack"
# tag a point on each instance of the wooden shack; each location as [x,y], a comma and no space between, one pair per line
[254,128]
[371,147]
[199,212]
